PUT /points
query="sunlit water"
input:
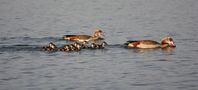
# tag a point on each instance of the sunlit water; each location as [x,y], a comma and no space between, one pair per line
[27,25]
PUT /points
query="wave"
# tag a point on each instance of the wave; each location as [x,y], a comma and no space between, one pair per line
[4,48]
[30,38]
[33,44]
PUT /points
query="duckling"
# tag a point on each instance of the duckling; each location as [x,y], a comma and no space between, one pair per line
[50,47]
[72,47]
[98,46]
[65,48]
[102,46]
[94,46]
[78,46]
[84,45]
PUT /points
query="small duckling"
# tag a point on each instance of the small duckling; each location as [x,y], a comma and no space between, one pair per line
[103,45]
[78,46]
[84,45]
[72,47]
[94,46]
[65,48]
[98,46]
[51,47]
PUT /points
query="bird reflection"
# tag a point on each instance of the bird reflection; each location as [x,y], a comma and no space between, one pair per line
[168,50]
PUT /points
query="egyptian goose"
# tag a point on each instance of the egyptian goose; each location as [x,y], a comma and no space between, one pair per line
[81,38]
[165,42]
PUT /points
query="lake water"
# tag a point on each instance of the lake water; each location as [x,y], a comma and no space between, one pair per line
[26,25]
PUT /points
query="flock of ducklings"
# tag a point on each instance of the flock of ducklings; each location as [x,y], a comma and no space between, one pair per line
[73,47]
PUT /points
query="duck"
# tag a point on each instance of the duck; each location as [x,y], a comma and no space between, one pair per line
[97,35]
[50,47]
[165,42]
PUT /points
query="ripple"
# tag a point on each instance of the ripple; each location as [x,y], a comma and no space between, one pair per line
[27,72]
[146,84]
[9,78]
[17,57]
[70,88]
[162,60]
[19,47]
[33,68]
[31,39]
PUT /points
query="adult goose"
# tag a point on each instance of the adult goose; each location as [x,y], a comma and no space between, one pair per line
[165,42]
[97,35]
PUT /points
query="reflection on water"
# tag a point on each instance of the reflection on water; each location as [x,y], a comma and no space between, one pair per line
[168,50]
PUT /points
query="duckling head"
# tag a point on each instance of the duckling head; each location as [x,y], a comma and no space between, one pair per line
[103,44]
[52,45]
[66,48]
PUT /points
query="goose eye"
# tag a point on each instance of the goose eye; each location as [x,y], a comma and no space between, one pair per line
[170,39]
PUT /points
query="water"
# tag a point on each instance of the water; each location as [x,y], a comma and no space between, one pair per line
[27,25]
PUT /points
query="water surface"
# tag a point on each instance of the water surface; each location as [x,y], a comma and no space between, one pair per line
[26,25]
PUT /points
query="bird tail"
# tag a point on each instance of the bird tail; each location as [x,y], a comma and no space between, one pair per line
[129,42]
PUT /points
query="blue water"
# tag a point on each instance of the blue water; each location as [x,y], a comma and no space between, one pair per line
[27,25]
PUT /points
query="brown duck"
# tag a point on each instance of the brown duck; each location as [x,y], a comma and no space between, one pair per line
[82,38]
[165,42]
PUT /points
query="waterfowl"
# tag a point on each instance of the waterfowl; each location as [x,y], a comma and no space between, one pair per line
[50,47]
[94,46]
[65,48]
[77,46]
[84,45]
[165,42]
[98,46]
[72,47]
[81,38]
[103,45]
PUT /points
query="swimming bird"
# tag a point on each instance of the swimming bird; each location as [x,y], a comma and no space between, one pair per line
[81,38]
[72,47]
[165,42]
[78,46]
[94,46]
[50,47]
[65,48]
[98,46]
[103,45]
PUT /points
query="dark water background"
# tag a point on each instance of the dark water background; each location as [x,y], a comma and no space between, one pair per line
[26,25]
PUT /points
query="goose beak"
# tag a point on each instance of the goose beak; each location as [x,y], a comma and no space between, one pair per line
[172,44]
